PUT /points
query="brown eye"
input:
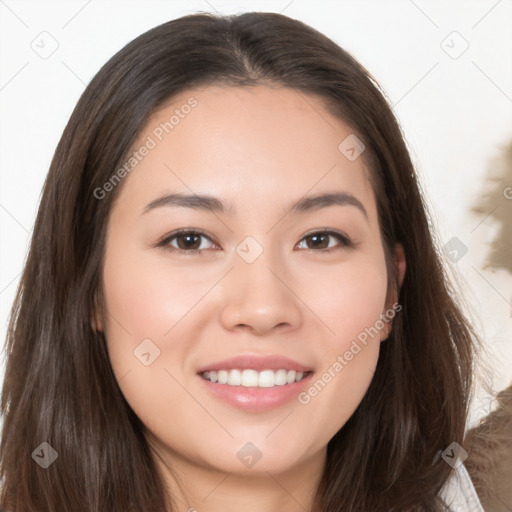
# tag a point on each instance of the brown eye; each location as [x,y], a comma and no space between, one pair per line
[187,242]
[322,241]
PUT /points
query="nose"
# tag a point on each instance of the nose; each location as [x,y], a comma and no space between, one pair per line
[260,298]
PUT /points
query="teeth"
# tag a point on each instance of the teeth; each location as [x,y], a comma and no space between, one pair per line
[249,378]
[290,377]
[235,378]
[254,379]
[280,377]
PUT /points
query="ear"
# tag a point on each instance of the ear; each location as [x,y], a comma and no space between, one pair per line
[400,265]
[97,319]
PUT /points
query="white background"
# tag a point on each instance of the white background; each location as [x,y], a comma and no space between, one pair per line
[456,113]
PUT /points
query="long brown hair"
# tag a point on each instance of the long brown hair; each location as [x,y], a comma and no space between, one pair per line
[59,387]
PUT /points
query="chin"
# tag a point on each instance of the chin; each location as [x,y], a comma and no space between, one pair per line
[253,458]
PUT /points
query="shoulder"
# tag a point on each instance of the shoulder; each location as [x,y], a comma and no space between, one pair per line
[459,492]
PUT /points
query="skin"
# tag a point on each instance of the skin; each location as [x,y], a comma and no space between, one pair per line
[260,149]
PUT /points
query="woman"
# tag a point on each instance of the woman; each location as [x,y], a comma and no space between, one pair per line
[232,297]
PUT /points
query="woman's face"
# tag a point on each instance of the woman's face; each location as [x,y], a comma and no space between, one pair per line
[251,280]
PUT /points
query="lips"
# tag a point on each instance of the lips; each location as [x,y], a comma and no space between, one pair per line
[255,383]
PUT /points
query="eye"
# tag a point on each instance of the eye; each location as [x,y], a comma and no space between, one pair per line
[321,241]
[186,241]
[190,241]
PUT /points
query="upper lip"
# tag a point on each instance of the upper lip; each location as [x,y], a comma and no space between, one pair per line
[256,362]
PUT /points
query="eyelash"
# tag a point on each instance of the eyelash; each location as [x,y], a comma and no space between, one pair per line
[345,241]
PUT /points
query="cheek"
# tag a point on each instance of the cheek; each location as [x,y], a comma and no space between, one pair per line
[148,296]
[347,298]
[144,301]
[350,302]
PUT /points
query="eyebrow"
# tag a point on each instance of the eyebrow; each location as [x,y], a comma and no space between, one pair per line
[213,204]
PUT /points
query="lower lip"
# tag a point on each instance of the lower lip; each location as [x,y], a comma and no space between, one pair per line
[256,399]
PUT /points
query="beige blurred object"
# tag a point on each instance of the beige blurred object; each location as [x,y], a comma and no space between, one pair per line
[489,445]
[497,204]
[489,461]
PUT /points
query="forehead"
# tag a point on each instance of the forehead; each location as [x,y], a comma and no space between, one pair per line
[245,144]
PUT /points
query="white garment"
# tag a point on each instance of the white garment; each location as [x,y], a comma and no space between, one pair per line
[459,493]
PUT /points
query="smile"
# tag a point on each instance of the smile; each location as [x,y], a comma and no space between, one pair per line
[254,379]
